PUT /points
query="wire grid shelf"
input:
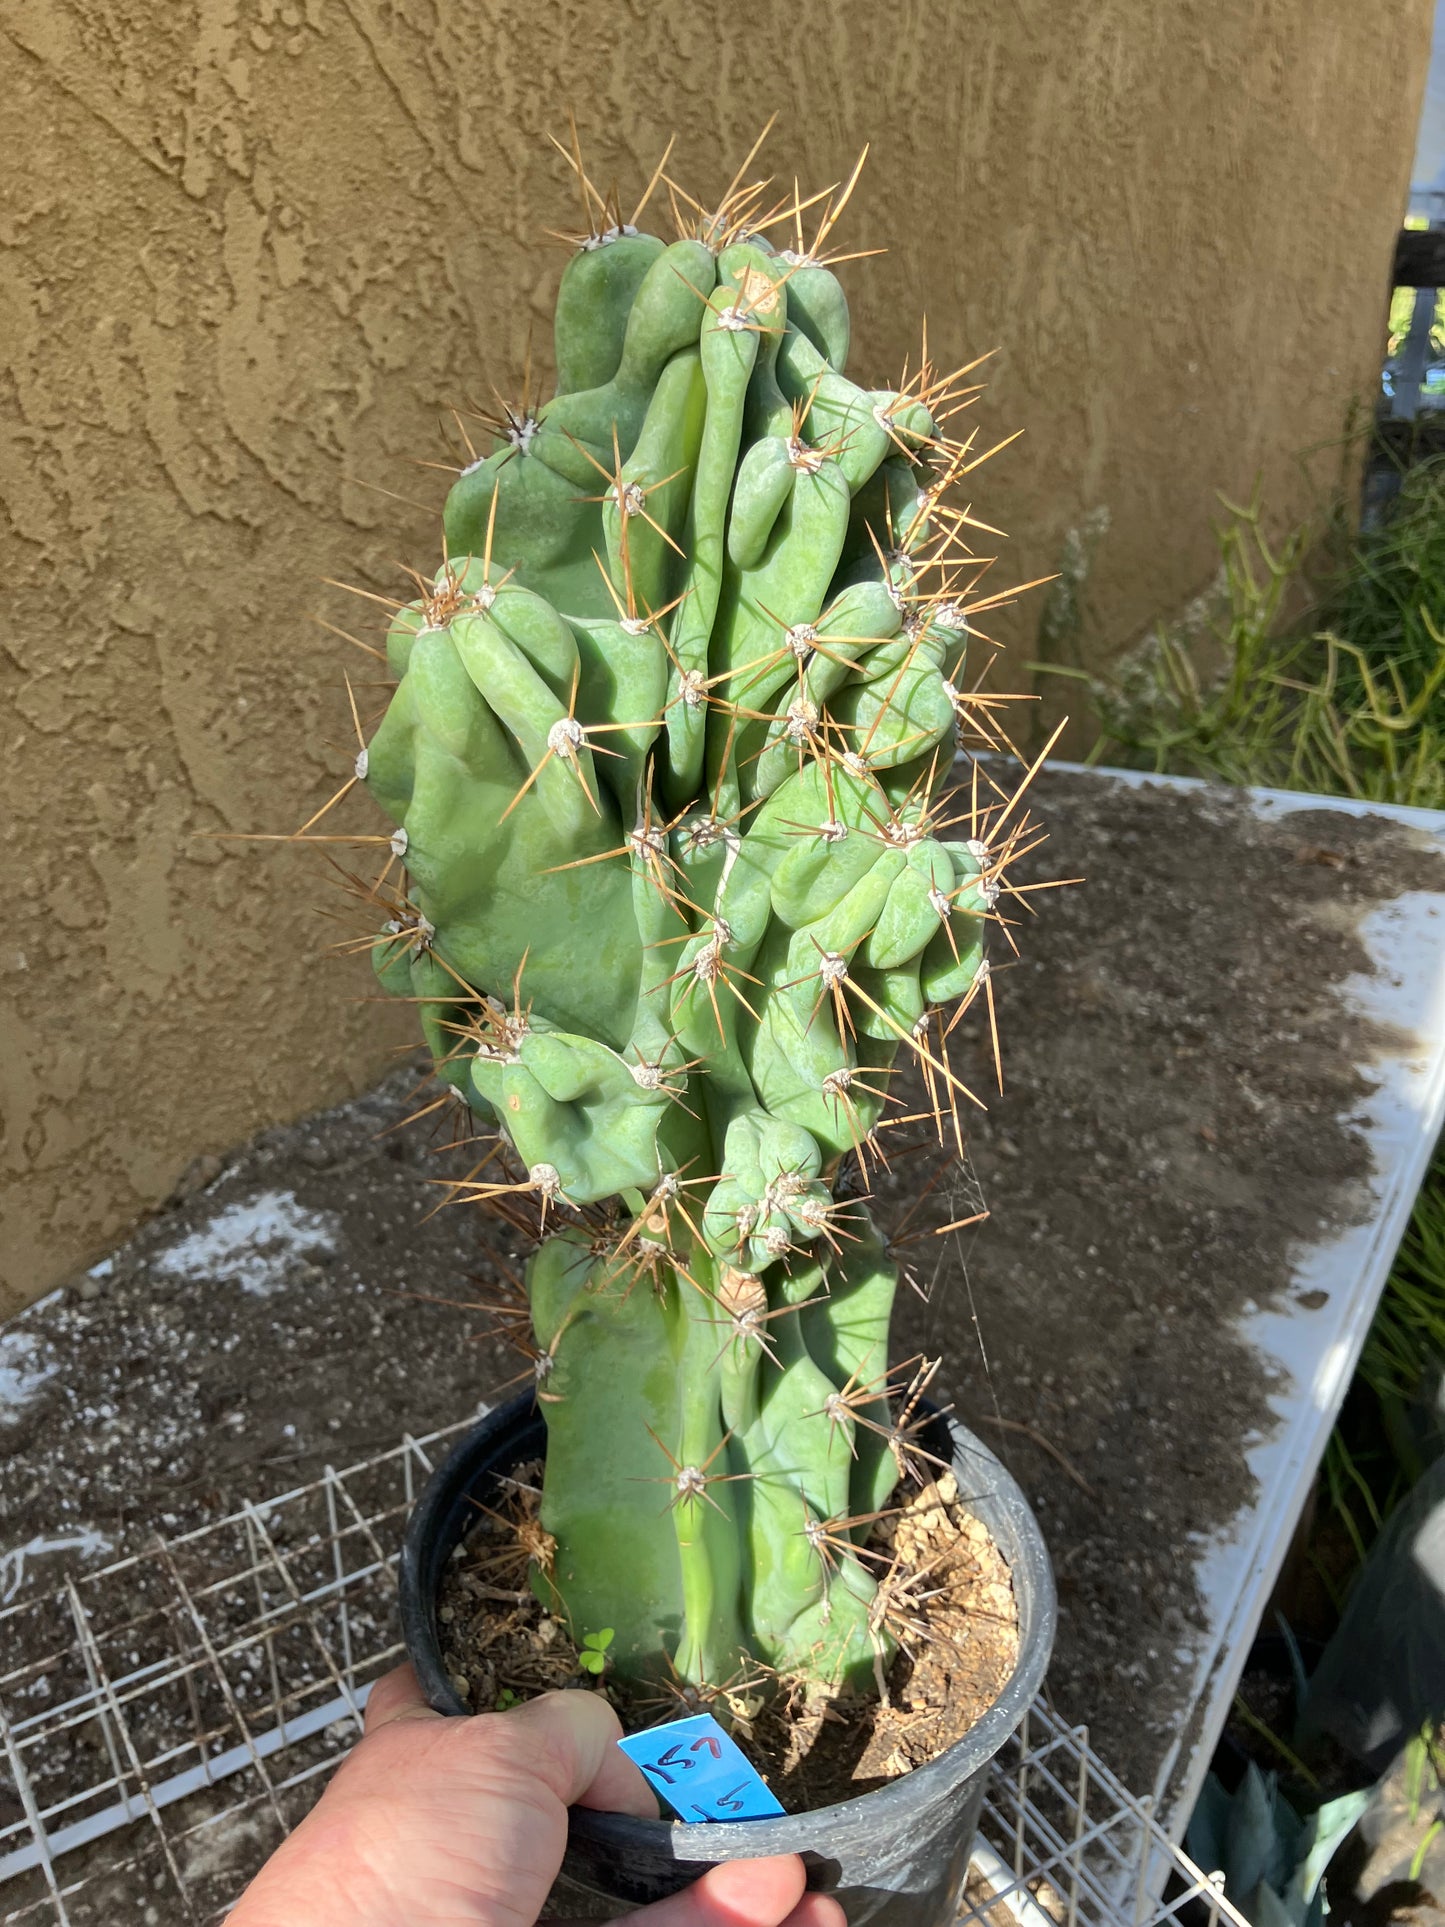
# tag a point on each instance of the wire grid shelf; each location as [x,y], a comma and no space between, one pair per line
[167,1719]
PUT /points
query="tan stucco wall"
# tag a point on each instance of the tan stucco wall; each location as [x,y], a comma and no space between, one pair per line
[250,251]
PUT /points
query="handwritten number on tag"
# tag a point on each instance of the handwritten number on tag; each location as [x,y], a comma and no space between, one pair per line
[719,1782]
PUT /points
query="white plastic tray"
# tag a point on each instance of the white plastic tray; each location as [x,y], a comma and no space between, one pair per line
[1312,1353]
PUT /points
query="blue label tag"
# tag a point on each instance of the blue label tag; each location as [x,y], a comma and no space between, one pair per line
[700,1772]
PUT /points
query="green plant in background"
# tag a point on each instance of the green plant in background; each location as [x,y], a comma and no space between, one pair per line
[1273,1862]
[1407,1341]
[1424,1786]
[1393,1426]
[1349,701]
[669,754]
[1385,602]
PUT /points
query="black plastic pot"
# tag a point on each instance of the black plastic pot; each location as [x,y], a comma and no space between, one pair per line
[896,1857]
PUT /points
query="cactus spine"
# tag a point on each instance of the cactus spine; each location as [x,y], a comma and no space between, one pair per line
[667,754]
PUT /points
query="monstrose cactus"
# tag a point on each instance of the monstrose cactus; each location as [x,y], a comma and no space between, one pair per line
[670,754]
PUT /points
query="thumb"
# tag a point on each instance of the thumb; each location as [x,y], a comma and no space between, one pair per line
[567,1740]
[571,1738]
[397,1696]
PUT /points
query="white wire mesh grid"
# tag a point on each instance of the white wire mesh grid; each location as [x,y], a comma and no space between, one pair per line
[167,1719]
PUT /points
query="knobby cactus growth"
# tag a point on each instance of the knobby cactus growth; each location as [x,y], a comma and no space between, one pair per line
[670,756]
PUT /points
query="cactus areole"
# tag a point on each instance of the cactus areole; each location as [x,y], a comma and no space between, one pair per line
[684,881]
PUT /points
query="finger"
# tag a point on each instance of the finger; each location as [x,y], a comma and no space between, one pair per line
[574,1735]
[397,1696]
[817,1910]
[813,1910]
[743,1893]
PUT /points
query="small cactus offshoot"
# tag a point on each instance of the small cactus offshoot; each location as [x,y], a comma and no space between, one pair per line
[681,872]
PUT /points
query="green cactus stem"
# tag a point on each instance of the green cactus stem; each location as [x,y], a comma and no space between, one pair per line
[670,756]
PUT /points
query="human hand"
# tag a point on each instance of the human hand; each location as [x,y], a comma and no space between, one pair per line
[437,1822]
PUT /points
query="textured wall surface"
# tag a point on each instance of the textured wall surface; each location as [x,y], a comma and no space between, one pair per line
[253,250]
